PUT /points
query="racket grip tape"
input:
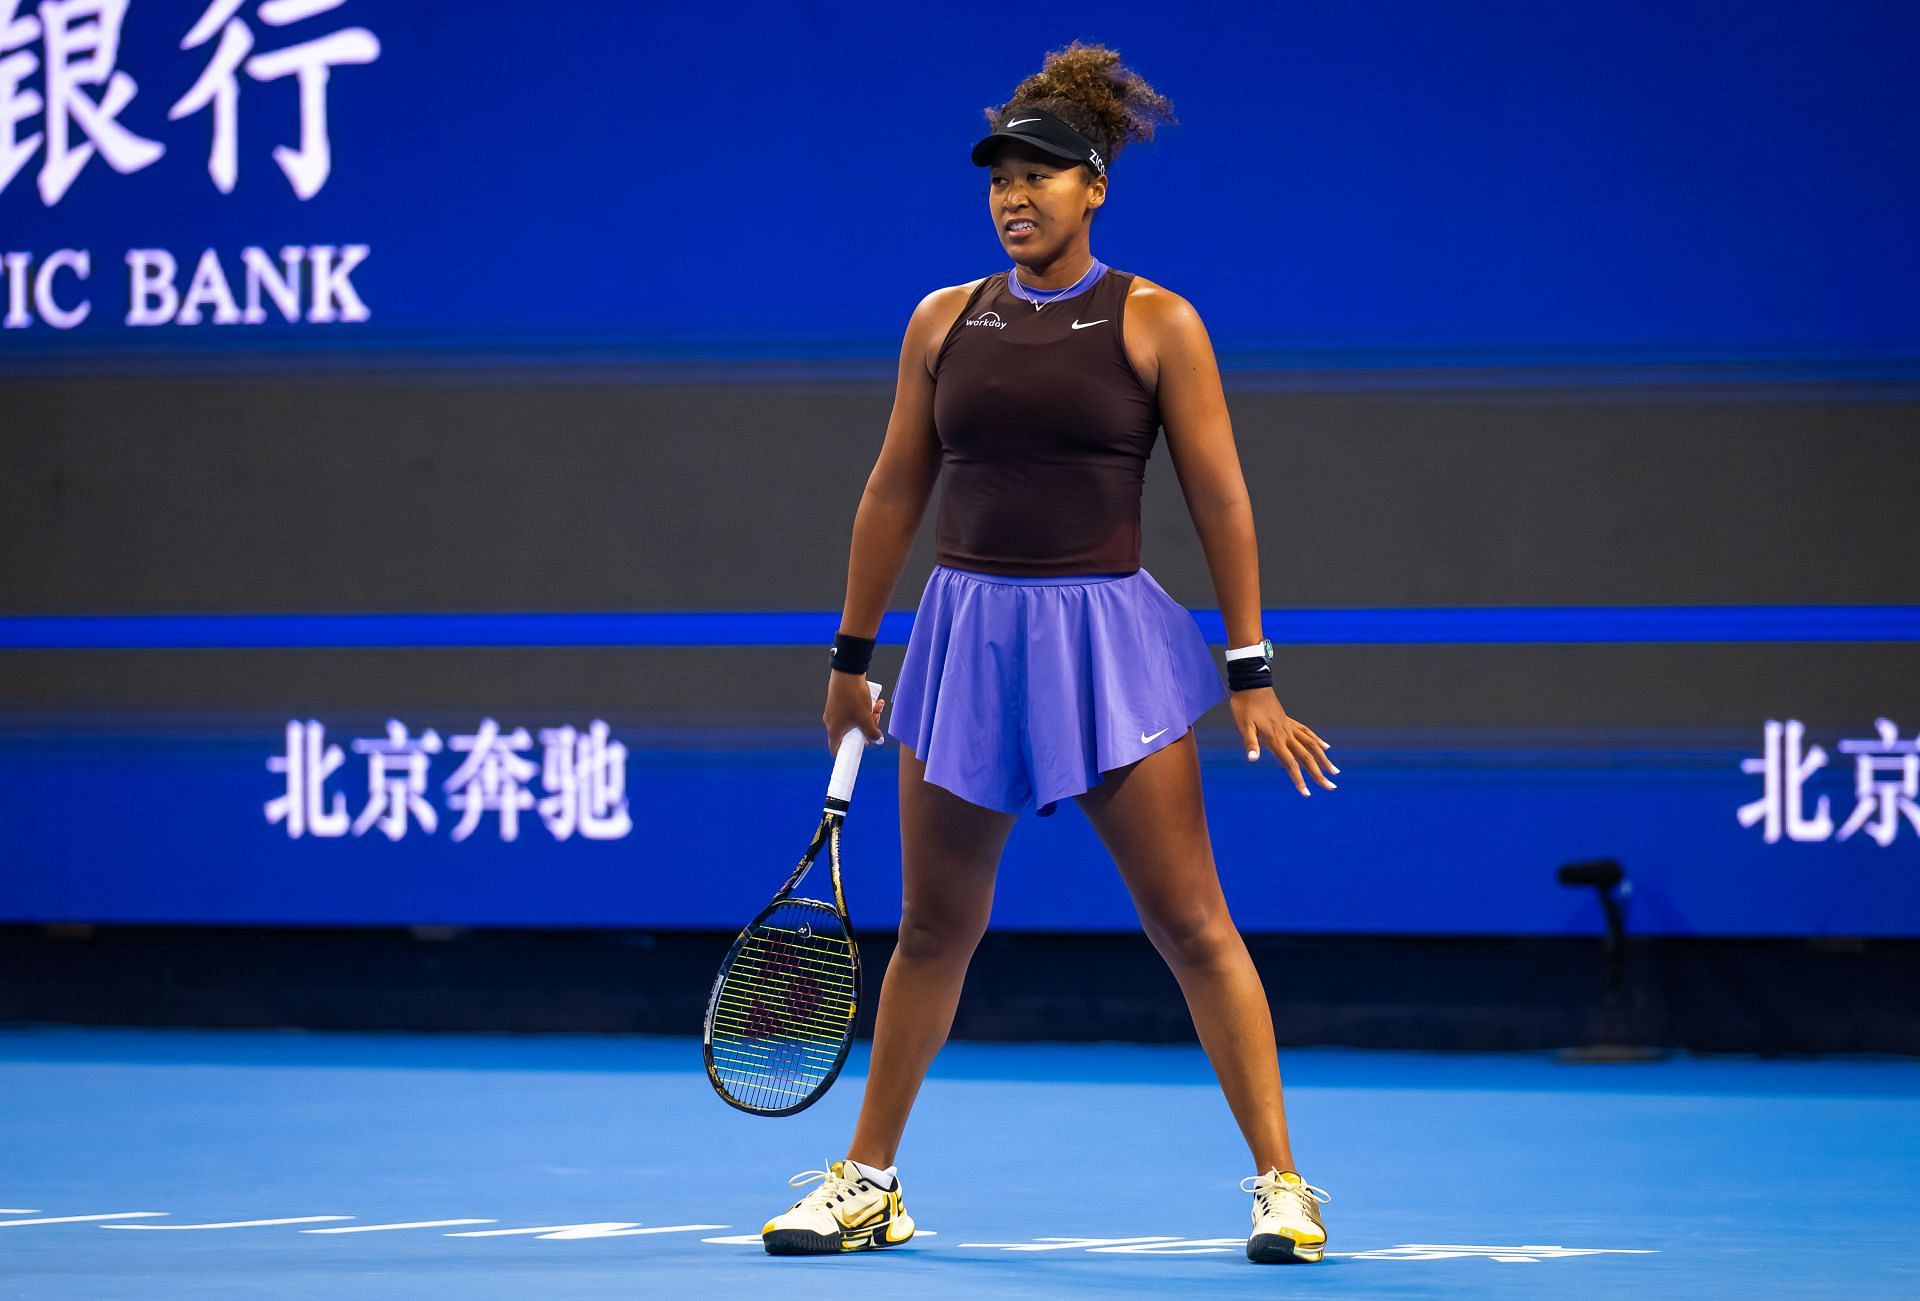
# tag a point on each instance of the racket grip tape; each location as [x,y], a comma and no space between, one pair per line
[846,761]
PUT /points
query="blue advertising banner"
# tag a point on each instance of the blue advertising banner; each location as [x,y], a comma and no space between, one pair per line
[582,822]
[1399,182]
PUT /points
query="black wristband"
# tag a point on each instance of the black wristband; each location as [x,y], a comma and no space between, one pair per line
[1250,668]
[1249,673]
[852,654]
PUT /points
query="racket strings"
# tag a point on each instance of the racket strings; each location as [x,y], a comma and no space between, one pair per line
[785,1007]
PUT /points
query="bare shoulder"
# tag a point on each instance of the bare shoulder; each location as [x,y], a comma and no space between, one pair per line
[1160,324]
[1157,308]
[934,317]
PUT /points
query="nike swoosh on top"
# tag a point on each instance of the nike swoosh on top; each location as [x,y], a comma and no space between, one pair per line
[1081,325]
[1145,739]
[1017,123]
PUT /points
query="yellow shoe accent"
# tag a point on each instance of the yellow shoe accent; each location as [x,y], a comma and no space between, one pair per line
[899,1228]
[847,1212]
[1286,1218]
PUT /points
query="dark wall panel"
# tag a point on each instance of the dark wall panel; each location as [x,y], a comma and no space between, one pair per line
[301,494]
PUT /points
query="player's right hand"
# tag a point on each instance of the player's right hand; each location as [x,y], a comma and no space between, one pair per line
[849,705]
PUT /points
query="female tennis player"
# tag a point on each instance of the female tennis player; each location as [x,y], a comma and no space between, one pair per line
[1045,663]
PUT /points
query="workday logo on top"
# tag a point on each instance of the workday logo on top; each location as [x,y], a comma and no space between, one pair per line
[989,318]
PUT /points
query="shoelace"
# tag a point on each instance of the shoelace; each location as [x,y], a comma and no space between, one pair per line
[835,1188]
[1263,1187]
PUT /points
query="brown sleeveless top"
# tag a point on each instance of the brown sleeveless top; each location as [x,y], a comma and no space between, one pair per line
[1045,431]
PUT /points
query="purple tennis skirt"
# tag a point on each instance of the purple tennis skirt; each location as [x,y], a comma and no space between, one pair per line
[1019,692]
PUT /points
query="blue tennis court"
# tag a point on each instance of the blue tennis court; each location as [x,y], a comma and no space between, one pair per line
[188,1163]
[459,465]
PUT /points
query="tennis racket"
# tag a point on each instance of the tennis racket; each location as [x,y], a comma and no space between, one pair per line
[780,1018]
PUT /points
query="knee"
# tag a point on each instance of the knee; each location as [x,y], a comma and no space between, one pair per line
[1200,937]
[934,934]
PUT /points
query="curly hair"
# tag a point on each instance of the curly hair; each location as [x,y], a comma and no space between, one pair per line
[1088,88]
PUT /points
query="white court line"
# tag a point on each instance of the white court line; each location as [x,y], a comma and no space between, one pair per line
[1073,1244]
[410,1224]
[1146,1245]
[233,1224]
[603,1229]
[1527,1248]
[70,1219]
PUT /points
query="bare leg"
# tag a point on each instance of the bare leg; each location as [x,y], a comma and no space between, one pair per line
[1150,817]
[949,852]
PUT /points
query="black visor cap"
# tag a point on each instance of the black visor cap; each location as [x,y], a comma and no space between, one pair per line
[1042,131]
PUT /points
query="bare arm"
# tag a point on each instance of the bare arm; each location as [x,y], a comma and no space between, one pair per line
[901,482]
[1200,442]
[889,514]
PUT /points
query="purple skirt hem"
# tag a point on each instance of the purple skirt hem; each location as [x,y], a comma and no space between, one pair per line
[1020,693]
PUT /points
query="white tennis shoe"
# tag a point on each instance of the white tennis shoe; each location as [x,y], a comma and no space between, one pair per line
[1286,1221]
[847,1212]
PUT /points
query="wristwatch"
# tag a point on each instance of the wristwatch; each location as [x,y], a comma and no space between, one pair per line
[1263,648]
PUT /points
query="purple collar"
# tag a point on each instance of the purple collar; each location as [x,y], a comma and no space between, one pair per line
[1042,296]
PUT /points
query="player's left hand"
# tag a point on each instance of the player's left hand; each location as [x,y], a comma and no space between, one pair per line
[1259,716]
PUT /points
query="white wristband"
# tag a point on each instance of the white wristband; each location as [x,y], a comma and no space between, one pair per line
[1262,648]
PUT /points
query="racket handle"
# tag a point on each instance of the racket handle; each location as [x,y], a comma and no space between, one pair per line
[846,762]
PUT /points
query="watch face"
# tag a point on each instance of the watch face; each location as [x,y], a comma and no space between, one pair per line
[1266,648]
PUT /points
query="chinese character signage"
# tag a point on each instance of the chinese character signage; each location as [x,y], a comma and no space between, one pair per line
[581,790]
[70,50]
[1886,786]
[267,68]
